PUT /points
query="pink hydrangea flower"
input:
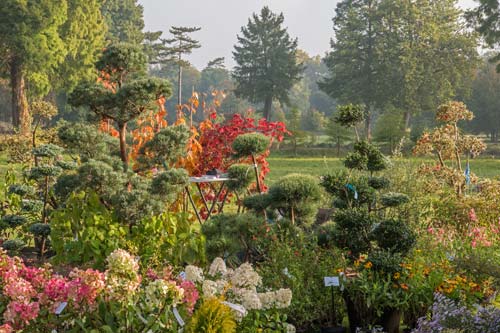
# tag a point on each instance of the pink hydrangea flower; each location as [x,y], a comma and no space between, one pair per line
[191,294]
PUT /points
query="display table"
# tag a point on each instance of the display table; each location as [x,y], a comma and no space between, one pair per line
[213,182]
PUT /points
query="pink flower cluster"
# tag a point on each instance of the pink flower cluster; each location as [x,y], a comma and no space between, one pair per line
[27,290]
[32,295]
[191,295]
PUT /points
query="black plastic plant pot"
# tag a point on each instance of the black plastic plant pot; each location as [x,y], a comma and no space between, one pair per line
[334,329]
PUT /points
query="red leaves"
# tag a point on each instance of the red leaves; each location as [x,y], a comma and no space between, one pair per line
[217,141]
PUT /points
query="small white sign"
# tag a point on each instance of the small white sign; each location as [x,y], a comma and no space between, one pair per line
[182,275]
[236,307]
[60,308]
[178,317]
[332,281]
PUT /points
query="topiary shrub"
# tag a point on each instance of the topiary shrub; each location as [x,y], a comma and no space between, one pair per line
[296,196]
[249,144]
[241,177]
[394,199]
[13,246]
[352,230]
[166,147]
[394,236]
[13,221]
[379,183]
[235,237]
[170,183]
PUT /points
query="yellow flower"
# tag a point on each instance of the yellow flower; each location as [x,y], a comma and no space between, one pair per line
[368,265]
[397,275]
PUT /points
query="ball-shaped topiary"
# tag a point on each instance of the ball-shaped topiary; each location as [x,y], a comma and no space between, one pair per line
[394,236]
[295,194]
[241,177]
[250,144]
[40,229]
[349,115]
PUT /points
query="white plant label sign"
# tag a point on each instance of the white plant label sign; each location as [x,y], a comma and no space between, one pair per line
[332,281]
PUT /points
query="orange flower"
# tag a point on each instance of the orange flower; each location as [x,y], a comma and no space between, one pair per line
[368,265]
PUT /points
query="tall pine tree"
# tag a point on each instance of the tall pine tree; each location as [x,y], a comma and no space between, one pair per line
[266,58]
[179,45]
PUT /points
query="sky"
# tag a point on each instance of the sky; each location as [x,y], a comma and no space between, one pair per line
[221,21]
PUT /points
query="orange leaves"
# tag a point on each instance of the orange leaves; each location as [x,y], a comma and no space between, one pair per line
[106,126]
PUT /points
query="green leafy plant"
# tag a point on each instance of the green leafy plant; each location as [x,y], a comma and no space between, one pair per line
[85,231]
[212,317]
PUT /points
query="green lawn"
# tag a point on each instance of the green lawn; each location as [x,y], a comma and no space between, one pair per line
[281,166]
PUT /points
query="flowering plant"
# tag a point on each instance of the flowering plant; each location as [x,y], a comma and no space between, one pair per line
[118,300]
[449,315]
[241,288]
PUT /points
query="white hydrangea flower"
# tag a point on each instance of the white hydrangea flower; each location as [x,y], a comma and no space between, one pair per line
[290,328]
[250,300]
[213,288]
[276,299]
[217,266]
[245,277]
[283,298]
[209,288]
[194,274]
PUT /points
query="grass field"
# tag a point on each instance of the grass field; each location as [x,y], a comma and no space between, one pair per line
[281,166]
[316,166]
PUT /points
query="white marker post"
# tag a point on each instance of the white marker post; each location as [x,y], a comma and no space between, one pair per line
[332,281]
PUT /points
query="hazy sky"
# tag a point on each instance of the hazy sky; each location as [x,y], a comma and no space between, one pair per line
[221,21]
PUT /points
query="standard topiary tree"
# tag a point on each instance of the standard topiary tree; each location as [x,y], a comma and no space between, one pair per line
[251,145]
[124,94]
[296,196]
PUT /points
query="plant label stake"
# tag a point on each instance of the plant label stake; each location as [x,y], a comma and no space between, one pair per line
[332,281]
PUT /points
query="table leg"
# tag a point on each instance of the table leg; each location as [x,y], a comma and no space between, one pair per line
[216,199]
[202,196]
[194,206]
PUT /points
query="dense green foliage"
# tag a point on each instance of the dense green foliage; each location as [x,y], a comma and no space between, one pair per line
[266,61]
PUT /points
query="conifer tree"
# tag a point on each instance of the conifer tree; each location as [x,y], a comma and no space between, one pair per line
[266,58]
[176,47]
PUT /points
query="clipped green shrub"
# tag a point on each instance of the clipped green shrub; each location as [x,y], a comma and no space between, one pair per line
[349,115]
[394,236]
[394,199]
[13,221]
[241,177]
[379,183]
[250,144]
[257,203]
[40,229]
[236,238]
[296,196]
[170,182]
[47,150]
[352,230]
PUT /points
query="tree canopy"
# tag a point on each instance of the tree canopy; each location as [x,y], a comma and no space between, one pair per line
[266,58]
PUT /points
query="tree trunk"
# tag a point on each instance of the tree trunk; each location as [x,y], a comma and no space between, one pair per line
[268,105]
[123,144]
[407,116]
[179,87]
[20,113]
[368,125]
